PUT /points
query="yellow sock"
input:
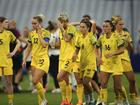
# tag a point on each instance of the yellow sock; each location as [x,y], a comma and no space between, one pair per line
[10,98]
[80,93]
[62,85]
[104,95]
[39,99]
[69,93]
[40,91]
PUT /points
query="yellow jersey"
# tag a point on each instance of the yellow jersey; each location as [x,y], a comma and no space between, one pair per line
[67,48]
[109,45]
[5,38]
[126,37]
[37,48]
[87,50]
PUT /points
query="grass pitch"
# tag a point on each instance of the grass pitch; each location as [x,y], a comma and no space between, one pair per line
[27,98]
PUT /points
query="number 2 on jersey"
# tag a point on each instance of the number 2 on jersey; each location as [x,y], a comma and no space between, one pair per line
[41,62]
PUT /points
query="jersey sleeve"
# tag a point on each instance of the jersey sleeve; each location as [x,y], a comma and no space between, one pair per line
[99,44]
[129,38]
[46,36]
[120,42]
[93,40]
[72,30]
[77,44]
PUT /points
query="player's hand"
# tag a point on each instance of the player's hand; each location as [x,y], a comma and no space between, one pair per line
[10,55]
[60,26]
[108,55]
[74,57]
[23,64]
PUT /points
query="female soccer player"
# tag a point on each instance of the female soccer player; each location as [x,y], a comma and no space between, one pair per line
[125,59]
[109,48]
[65,57]
[86,42]
[6,56]
[38,44]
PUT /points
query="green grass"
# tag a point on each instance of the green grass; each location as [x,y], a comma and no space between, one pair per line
[27,98]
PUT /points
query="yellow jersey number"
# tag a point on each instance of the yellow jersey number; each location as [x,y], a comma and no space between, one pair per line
[35,40]
[1,42]
[41,62]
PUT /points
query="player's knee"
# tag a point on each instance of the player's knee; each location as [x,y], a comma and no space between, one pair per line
[35,81]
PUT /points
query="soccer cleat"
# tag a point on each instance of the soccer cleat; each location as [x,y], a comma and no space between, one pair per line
[56,91]
[79,103]
[135,102]
[34,91]
[125,102]
[64,102]
[92,102]
[44,102]
[99,102]
[70,104]
[10,104]
[84,103]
